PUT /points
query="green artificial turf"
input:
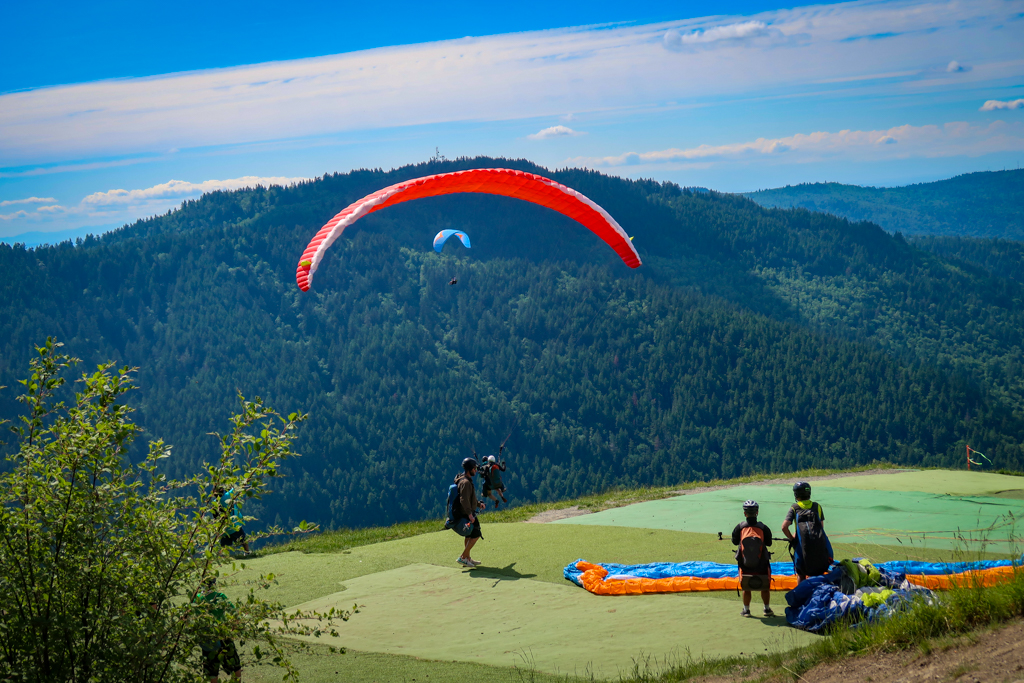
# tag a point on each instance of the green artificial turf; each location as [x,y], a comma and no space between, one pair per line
[534,551]
[490,618]
[939,482]
[421,614]
[319,665]
[929,519]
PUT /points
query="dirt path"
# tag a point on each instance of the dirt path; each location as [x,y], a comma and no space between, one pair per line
[555,515]
[576,510]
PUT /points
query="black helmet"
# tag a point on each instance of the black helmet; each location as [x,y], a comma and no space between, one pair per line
[751,505]
[469,464]
[802,490]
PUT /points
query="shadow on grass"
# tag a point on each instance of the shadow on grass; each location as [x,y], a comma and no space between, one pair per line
[507,573]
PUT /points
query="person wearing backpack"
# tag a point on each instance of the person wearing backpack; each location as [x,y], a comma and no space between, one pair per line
[462,507]
[812,551]
[752,539]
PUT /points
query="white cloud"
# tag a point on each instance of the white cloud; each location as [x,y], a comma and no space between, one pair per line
[27,200]
[992,105]
[950,139]
[176,189]
[734,33]
[554,132]
[506,77]
[13,216]
[56,208]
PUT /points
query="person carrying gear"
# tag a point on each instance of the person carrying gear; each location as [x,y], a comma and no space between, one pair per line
[234,533]
[812,551]
[463,512]
[491,472]
[753,539]
[217,653]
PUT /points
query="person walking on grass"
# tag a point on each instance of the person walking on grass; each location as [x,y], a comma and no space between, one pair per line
[491,472]
[463,512]
[812,551]
[218,653]
[753,539]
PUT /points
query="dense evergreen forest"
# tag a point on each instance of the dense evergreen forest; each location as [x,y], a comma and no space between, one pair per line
[751,340]
[986,204]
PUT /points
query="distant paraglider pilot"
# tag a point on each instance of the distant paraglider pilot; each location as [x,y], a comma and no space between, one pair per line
[491,473]
[453,281]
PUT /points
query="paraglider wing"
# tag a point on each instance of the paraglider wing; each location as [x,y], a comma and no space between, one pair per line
[501,181]
[441,237]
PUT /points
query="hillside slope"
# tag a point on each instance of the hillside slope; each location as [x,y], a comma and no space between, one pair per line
[752,340]
[983,204]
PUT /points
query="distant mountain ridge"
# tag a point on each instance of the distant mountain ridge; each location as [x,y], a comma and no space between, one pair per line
[988,204]
[751,340]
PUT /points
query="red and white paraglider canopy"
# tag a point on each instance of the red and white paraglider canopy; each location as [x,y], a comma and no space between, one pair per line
[502,181]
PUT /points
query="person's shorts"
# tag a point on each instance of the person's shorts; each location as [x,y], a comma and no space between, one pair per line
[224,656]
[233,538]
[755,582]
[463,527]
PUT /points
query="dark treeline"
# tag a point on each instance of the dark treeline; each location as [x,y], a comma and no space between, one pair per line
[1002,258]
[985,204]
[752,340]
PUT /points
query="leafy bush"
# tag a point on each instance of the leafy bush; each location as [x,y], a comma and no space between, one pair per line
[101,560]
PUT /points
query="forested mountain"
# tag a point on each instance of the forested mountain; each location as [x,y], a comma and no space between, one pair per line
[751,340]
[986,204]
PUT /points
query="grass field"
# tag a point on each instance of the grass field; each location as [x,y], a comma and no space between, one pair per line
[929,509]
[421,615]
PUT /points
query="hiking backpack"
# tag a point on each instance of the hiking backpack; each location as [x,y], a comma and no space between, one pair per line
[453,495]
[751,551]
[814,546]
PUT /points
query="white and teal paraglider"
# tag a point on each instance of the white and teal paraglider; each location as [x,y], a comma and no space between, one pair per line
[442,237]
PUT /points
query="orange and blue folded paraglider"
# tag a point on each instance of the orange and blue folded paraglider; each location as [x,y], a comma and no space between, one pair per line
[442,237]
[684,577]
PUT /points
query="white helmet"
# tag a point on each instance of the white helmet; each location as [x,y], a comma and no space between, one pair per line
[491,458]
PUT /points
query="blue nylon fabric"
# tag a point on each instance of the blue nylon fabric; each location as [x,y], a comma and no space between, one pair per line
[938,568]
[442,237]
[667,570]
[717,570]
[818,603]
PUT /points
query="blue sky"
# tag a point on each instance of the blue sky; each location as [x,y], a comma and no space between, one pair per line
[126,109]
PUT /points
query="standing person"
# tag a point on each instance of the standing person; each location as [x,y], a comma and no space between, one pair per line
[752,539]
[234,533]
[218,653]
[492,480]
[463,512]
[812,551]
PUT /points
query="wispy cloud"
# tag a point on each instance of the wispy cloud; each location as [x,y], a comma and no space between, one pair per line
[993,105]
[175,189]
[27,200]
[951,139]
[124,206]
[505,77]
[956,67]
[554,132]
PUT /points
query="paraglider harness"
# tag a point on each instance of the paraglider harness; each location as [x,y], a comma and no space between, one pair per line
[752,555]
[812,549]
